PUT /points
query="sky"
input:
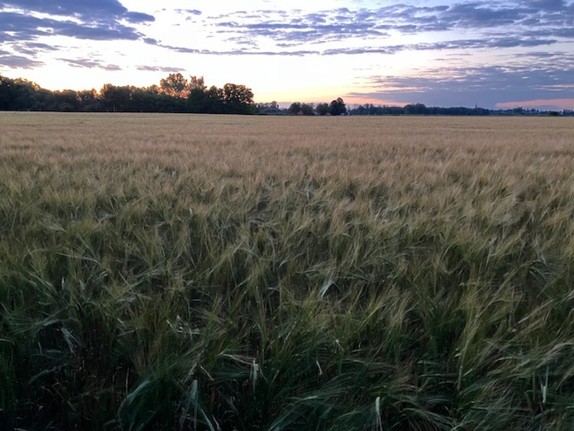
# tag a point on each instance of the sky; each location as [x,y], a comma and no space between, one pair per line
[486,53]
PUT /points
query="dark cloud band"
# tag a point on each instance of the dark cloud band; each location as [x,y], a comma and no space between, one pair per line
[86,10]
[541,77]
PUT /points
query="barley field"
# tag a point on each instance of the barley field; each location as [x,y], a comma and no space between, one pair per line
[184,272]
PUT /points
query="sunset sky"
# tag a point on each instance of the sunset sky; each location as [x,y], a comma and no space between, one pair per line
[441,53]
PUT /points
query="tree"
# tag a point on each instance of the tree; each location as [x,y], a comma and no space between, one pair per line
[18,94]
[88,100]
[116,98]
[66,101]
[270,108]
[214,100]
[197,83]
[338,107]
[238,99]
[174,94]
[307,109]
[196,101]
[415,109]
[322,109]
[175,85]
[295,108]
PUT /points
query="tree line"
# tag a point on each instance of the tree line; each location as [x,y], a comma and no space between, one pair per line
[175,93]
[418,109]
[338,107]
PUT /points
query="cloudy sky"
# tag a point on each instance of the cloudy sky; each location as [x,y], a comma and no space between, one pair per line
[437,52]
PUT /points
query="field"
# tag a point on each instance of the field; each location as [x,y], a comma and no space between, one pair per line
[286,273]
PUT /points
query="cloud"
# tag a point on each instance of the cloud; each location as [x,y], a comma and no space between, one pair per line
[21,27]
[158,69]
[238,52]
[18,61]
[547,4]
[32,49]
[494,42]
[85,10]
[477,15]
[515,20]
[484,86]
[150,41]
[89,63]
[501,24]
[138,17]
[194,12]
[27,20]
[298,27]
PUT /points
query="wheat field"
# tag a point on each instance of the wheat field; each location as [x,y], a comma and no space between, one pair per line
[285,273]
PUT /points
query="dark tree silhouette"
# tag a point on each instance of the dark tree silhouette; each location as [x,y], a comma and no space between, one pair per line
[307,109]
[338,107]
[295,108]
[174,94]
[322,108]
[238,99]
[179,94]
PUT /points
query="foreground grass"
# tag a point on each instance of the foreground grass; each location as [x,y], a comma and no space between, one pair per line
[196,272]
